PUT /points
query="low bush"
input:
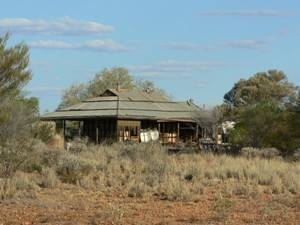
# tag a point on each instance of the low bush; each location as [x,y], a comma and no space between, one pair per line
[51,157]
[78,145]
[25,181]
[175,189]
[139,170]
[269,153]
[71,168]
[14,154]
[49,178]
[250,152]
[43,130]
[20,182]
[7,188]
[223,207]
[137,189]
[296,155]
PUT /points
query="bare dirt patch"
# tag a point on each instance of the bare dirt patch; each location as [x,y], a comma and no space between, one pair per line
[70,204]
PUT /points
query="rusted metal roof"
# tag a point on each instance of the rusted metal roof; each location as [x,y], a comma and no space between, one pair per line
[133,104]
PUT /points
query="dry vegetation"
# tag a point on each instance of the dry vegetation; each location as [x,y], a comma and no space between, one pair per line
[143,184]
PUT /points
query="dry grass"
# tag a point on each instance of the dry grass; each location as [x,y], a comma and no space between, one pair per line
[223,207]
[48,178]
[21,185]
[144,170]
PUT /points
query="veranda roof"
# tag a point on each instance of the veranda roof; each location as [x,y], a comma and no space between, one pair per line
[125,104]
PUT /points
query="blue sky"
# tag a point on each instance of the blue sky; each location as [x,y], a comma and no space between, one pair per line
[192,49]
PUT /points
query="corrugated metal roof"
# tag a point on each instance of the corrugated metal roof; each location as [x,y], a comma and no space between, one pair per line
[133,104]
[102,99]
[92,106]
[57,115]
[138,95]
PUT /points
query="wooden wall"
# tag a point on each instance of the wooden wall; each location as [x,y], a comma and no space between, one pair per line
[100,130]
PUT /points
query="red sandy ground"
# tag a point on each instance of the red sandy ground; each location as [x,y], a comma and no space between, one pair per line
[71,205]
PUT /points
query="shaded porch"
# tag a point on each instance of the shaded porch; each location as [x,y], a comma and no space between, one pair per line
[109,130]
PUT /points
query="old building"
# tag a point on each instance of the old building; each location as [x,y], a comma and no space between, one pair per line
[131,115]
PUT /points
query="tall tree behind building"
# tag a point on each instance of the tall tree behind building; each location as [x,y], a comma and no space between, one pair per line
[272,85]
[264,107]
[113,78]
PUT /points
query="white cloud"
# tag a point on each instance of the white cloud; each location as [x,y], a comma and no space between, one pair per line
[98,45]
[66,25]
[104,45]
[250,44]
[256,44]
[50,44]
[181,46]
[250,13]
[174,67]
[179,64]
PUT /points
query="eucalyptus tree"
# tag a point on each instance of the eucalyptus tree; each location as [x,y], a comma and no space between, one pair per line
[17,112]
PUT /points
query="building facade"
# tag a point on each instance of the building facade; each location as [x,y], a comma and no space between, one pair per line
[130,115]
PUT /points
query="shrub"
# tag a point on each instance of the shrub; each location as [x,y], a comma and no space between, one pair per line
[223,204]
[292,182]
[175,189]
[198,188]
[48,178]
[241,189]
[137,189]
[156,167]
[44,130]
[24,181]
[296,155]
[266,177]
[51,157]
[223,207]
[277,186]
[78,145]
[142,168]
[269,153]
[14,154]
[250,152]
[192,171]
[266,153]
[88,181]
[20,182]
[7,188]
[143,151]
[71,168]
[36,160]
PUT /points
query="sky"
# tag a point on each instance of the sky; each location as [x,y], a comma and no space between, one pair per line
[193,49]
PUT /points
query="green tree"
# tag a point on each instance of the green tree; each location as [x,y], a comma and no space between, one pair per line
[20,113]
[13,67]
[272,84]
[286,133]
[107,78]
[255,123]
[17,113]
[145,85]
[264,107]
[16,142]
[73,95]
[116,77]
